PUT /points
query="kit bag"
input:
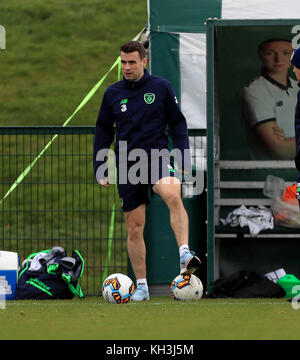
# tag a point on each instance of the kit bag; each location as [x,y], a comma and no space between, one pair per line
[246,284]
[50,275]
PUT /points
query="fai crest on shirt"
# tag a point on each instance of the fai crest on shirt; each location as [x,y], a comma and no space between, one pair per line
[123,105]
[149,98]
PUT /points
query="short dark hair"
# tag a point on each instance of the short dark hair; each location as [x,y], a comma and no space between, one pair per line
[132,46]
[263,43]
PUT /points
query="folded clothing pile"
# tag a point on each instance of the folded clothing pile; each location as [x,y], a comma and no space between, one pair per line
[256,218]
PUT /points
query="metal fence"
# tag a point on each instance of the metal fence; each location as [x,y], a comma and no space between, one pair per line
[59,202]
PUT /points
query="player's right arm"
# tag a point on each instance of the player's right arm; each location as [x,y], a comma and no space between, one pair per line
[104,136]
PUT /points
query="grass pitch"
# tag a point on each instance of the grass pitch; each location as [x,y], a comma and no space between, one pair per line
[161,318]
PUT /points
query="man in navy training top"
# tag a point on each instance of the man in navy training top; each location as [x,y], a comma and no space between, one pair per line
[139,109]
[295,60]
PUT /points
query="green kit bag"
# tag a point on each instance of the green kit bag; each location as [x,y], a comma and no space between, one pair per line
[50,274]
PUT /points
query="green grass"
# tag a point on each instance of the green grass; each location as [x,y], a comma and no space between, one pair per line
[161,318]
[55,53]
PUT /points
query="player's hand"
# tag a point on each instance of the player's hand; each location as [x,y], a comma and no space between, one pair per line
[279,132]
[104,182]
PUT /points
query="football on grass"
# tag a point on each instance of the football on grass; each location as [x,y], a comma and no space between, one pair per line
[117,289]
[186,287]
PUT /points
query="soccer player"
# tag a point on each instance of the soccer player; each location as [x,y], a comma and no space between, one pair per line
[141,107]
[295,60]
[269,103]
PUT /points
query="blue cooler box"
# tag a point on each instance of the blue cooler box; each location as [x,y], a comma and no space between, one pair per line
[9,265]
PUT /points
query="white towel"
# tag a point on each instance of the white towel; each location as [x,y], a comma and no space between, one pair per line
[35,264]
[256,218]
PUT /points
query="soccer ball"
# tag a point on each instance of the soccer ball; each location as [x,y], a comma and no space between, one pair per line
[186,287]
[117,289]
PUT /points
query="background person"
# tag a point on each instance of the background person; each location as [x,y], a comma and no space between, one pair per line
[295,60]
[141,106]
[269,104]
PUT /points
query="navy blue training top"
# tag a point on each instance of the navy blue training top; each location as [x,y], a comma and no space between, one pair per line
[297,134]
[139,113]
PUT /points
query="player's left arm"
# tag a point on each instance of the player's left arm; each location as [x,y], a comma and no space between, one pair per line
[178,129]
[275,140]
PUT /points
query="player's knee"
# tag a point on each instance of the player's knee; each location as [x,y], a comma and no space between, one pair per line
[173,200]
[135,229]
